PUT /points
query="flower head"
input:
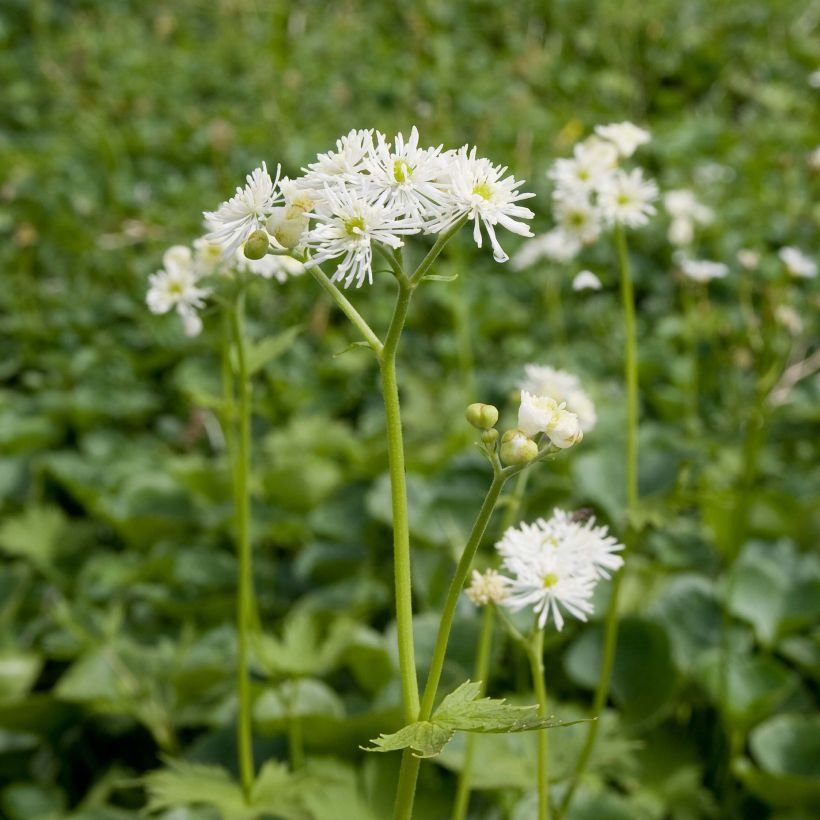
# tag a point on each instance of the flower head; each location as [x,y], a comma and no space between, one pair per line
[175,288]
[586,280]
[562,387]
[625,136]
[797,263]
[349,222]
[246,211]
[473,187]
[340,166]
[627,198]
[487,588]
[593,162]
[556,245]
[702,270]
[555,565]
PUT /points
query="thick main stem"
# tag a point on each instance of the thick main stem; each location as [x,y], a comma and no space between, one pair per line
[536,657]
[611,620]
[244,735]
[398,497]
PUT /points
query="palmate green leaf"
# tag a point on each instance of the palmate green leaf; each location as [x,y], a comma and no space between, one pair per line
[463,710]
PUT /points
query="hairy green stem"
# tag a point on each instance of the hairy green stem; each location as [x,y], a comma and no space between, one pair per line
[611,618]
[535,652]
[242,513]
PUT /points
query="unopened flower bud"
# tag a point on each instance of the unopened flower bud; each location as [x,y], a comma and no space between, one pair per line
[489,588]
[566,431]
[536,413]
[490,437]
[256,245]
[516,448]
[482,416]
[287,225]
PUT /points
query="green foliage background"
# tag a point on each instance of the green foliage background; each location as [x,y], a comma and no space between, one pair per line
[121,121]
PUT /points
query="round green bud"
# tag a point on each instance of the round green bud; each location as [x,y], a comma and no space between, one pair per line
[482,416]
[517,448]
[256,245]
[489,437]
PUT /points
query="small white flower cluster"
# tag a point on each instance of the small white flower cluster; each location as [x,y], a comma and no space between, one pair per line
[371,190]
[544,414]
[592,191]
[701,270]
[797,263]
[555,565]
[686,213]
[488,587]
[562,386]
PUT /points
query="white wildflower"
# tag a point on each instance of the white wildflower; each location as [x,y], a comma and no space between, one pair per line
[625,136]
[543,414]
[487,588]
[175,288]
[593,162]
[586,280]
[577,216]
[349,224]
[748,259]
[627,198]
[556,245]
[475,188]
[561,386]
[702,270]
[271,266]
[797,263]
[245,212]
[339,167]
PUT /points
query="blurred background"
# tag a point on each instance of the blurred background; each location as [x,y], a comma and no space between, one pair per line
[122,121]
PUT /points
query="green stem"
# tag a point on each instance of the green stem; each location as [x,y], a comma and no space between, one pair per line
[347,308]
[481,673]
[536,658]
[242,511]
[410,764]
[611,618]
[398,495]
[296,745]
[438,247]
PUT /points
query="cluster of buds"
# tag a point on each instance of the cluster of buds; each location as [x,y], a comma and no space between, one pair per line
[537,416]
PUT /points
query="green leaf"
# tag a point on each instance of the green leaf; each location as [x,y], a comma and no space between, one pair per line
[440,277]
[261,353]
[352,346]
[463,710]
[18,671]
[34,535]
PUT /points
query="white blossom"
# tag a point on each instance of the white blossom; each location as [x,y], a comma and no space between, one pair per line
[339,167]
[475,188]
[702,270]
[349,223]
[577,216]
[272,266]
[556,564]
[543,414]
[586,280]
[488,587]
[556,245]
[563,387]
[593,162]
[245,212]
[797,263]
[626,198]
[175,287]
[625,136]
[748,259]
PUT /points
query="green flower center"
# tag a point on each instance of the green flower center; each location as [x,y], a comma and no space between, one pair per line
[550,580]
[175,288]
[483,190]
[355,226]
[401,170]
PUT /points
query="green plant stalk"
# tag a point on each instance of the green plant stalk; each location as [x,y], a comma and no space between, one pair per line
[535,652]
[244,613]
[481,672]
[611,618]
[296,744]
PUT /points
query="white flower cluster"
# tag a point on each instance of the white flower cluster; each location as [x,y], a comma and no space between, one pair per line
[487,588]
[592,191]
[544,414]
[371,190]
[686,213]
[797,263]
[555,565]
[701,270]
[563,387]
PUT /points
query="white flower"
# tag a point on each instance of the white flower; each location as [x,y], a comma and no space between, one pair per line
[681,231]
[626,198]
[748,259]
[207,256]
[536,413]
[556,245]
[625,136]
[789,318]
[487,588]
[586,280]
[556,564]
[593,162]
[797,263]
[407,177]
[175,288]
[349,224]
[682,204]
[245,212]
[562,386]
[341,166]
[577,217]
[566,430]
[702,270]
[475,188]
